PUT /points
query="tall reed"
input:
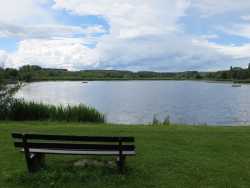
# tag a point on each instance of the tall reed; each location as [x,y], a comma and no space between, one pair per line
[20,110]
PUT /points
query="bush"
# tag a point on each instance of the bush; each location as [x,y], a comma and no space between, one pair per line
[156,121]
[166,121]
[6,97]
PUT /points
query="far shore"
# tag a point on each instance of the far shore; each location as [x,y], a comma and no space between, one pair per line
[242,82]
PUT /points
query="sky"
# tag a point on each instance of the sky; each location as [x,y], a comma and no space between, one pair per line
[136,35]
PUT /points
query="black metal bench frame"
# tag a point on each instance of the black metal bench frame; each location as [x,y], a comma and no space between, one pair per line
[35,146]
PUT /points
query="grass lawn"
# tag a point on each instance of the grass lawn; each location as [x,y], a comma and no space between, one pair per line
[171,156]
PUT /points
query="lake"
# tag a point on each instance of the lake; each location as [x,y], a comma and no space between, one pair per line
[137,102]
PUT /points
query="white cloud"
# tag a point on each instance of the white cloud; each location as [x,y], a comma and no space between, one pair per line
[58,53]
[131,18]
[213,7]
[242,30]
[140,31]
[98,29]
[245,18]
[44,40]
[31,19]
[3,58]
[147,35]
[38,31]
[169,52]
[143,35]
[235,52]
[24,12]
[210,36]
[46,31]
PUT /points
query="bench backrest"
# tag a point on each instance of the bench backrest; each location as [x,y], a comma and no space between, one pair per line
[67,142]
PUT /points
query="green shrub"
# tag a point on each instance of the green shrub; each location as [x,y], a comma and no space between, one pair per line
[166,120]
[6,97]
[156,121]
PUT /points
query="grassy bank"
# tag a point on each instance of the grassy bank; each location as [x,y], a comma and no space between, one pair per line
[171,156]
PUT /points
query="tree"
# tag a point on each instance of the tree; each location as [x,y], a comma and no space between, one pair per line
[29,68]
[28,72]
[224,75]
[27,77]
[198,76]
[6,97]
[11,74]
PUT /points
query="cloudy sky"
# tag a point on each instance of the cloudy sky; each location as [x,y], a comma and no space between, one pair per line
[159,35]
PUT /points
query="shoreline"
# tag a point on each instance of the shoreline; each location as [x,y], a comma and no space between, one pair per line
[125,80]
[121,125]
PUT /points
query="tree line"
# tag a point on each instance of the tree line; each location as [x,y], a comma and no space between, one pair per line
[29,73]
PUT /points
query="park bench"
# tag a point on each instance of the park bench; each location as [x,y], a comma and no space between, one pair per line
[35,146]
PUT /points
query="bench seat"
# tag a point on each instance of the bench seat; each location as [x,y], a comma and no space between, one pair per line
[78,152]
[35,146]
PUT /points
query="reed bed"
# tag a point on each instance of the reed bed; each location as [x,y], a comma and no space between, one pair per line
[20,110]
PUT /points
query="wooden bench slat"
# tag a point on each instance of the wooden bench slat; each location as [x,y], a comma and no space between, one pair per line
[73,138]
[75,152]
[35,146]
[76,146]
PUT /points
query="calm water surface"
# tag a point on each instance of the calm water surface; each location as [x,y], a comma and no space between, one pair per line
[136,102]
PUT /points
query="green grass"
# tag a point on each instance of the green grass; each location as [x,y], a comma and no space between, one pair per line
[170,156]
[20,110]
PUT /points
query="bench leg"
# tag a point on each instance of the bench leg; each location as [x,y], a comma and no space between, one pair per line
[121,162]
[35,162]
